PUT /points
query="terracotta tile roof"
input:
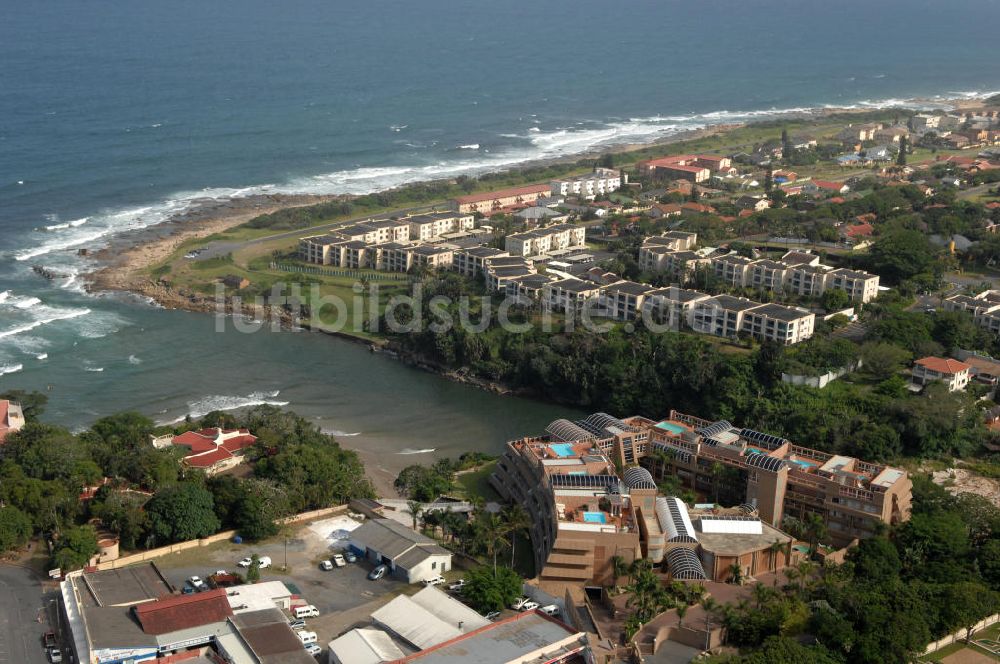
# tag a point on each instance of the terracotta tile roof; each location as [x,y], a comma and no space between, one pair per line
[826,184]
[207,459]
[239,442]
[505,193]
[859,230]
[177,612]
[993,206]
[699,207]
[837,199]
[942,365]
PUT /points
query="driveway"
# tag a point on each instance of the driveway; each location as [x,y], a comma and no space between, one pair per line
[23,616]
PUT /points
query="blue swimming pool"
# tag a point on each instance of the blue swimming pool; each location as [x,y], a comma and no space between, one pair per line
[562,449]
[595,517]
[671,427]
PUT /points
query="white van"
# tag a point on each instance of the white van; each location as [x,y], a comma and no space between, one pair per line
[265,562]
[307,637]
[307,611]
[550,610]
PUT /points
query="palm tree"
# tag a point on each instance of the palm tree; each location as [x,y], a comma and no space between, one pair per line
[517,521]
[619,568]
[736,574]
[681,610]
[761,594]
[776,546]
[494,531]
[414,508]
[814,529]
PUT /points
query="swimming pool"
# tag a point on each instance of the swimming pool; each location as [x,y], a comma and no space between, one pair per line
[804,464]
[675,429]
[561,449]
[595,517]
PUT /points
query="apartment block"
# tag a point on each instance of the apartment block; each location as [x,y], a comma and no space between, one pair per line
[570,296]
[623,300]
[492,201]
[721,315]
[806,280]
[767,275]
[672,306]
[860,286]
[732,269]
[543,240]
[784,325]
[424,227]
[471,262]
[601,181]
[655,250]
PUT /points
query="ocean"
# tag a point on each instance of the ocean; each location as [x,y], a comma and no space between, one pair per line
[115,115]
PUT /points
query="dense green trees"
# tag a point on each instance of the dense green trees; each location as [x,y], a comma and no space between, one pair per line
[43,469]
[181,512]
[74,547]
[488,590]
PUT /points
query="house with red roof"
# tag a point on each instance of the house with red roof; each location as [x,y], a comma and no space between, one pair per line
[856,232]
[11,418]
[700,208]
[661,210]
[212,450]
[953,373]
[825,187]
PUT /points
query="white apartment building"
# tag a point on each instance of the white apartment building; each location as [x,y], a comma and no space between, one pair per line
[424,227]
[859,285]
[721,315]
[319,248]
[806,280]
[470,262]
[672,306]
[377,232]
[601,181]
[623,300]
[543,240]
[732,269]
[784,325]
[569,296]
[653,255]
[767,274]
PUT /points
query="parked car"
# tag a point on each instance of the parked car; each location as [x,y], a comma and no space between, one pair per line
[297,625]
[434,581]
[197,583]
[457,586]
[265,562]
[529,606]
[307,611]
[338,560]
[492,615]
[377,573]
[350,557]
[519,602]
[313,649]
[326,565]
[55,655]
[550,610]
[307,637]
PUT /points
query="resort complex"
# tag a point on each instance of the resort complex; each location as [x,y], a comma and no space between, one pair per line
[586,511]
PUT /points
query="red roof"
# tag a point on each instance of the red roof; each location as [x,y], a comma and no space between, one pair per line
[239,443]
[177,612]
[993,206]
[826,184]
[837,199]
[746,213]
[867,217]
[942,365]
[208,459]
[699,207]
[505,193]
[859,230]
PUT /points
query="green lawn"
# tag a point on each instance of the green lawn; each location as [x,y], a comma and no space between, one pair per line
[476,483]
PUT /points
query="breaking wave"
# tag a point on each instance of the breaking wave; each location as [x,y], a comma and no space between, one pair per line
[10,368]
[206,405]
[408,451]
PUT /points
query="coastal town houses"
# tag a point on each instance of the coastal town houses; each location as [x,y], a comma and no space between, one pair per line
[672,306]
[11,418]
[472,262]
[589,185]
[212,450]
[983,307]
[569,296]
[425,227]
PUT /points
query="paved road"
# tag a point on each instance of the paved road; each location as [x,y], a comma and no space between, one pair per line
[22,603]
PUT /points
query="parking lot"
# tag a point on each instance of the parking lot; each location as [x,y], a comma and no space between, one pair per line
[344,596]
[24,616]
